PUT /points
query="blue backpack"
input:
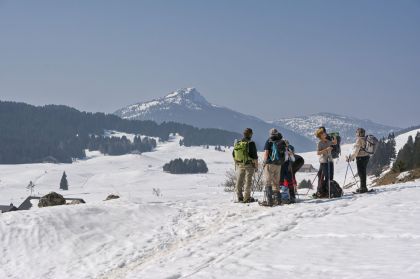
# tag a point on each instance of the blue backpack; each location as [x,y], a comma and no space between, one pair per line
[278,152]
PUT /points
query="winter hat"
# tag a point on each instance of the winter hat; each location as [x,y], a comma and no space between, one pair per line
[248,132]
[360,132]
[274,132]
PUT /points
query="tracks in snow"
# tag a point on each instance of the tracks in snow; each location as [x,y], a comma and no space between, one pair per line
[205,234]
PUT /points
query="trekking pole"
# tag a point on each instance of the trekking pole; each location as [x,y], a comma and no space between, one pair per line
[296,191]
[261,174]
[254,184]
[345,177]
[313,181]
[329,179]
[354,176]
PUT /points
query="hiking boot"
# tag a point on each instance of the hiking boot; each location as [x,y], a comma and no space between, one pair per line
[362,190]
[251,199]
[269,195]
[320,195]
[277,195]
[265,203]
[276,203]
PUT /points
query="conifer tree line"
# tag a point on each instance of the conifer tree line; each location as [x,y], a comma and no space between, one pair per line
[120,146]
[30,134]
[179,166]
[383,156]
[409,156]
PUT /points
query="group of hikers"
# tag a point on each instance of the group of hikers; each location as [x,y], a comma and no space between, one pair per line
[280,164]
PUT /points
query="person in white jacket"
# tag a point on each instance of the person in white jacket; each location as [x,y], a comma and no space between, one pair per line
[362,158]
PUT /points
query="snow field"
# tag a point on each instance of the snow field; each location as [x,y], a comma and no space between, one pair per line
[193,230]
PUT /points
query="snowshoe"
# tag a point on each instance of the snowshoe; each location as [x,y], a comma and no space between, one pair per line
[250,200]
[319,196]
[265,203]
[363,191]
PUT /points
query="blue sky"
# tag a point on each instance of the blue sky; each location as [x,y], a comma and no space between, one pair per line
[267,58]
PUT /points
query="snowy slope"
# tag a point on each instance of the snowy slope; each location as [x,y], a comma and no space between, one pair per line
[194,230]
[401,140]
[347,126]
[187,105]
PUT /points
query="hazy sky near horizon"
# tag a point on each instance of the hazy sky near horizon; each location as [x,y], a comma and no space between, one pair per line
[270,59]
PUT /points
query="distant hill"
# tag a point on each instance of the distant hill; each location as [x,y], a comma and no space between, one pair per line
[188,106]
[306,125]
[30,134]
[403,131]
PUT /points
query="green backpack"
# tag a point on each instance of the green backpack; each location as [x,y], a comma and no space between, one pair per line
[241,152]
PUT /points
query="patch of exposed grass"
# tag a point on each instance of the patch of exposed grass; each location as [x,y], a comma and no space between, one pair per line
[392,177]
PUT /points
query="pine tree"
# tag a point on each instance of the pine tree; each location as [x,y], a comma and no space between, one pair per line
[416,152]
[383,155]
[391,151]
[405,158]
[64,185]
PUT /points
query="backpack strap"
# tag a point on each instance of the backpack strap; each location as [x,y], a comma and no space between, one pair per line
[363,148]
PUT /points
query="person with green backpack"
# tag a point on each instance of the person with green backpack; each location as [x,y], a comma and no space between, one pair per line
[246,162]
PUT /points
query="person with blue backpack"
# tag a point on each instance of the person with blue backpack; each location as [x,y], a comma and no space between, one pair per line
[274,157]
[246,162]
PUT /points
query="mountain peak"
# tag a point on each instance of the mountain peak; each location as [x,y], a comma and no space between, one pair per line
[186,98]
[190,95]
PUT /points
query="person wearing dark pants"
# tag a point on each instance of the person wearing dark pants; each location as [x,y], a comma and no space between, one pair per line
[362,158]
[362,163]
[328,170]
[326,173]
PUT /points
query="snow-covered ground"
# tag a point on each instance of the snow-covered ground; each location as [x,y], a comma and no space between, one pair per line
[194,230]
[401,140]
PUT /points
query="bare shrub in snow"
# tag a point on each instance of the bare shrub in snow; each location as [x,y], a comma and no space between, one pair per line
[230,181]
[157,192]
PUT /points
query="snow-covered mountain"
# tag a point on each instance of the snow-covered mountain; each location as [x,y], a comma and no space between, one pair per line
[188,106]
[346,125]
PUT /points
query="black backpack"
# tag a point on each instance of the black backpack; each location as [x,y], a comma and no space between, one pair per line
[336,190]
[279,148]
[336,151]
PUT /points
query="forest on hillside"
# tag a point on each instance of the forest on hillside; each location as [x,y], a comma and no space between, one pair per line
[31,134]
